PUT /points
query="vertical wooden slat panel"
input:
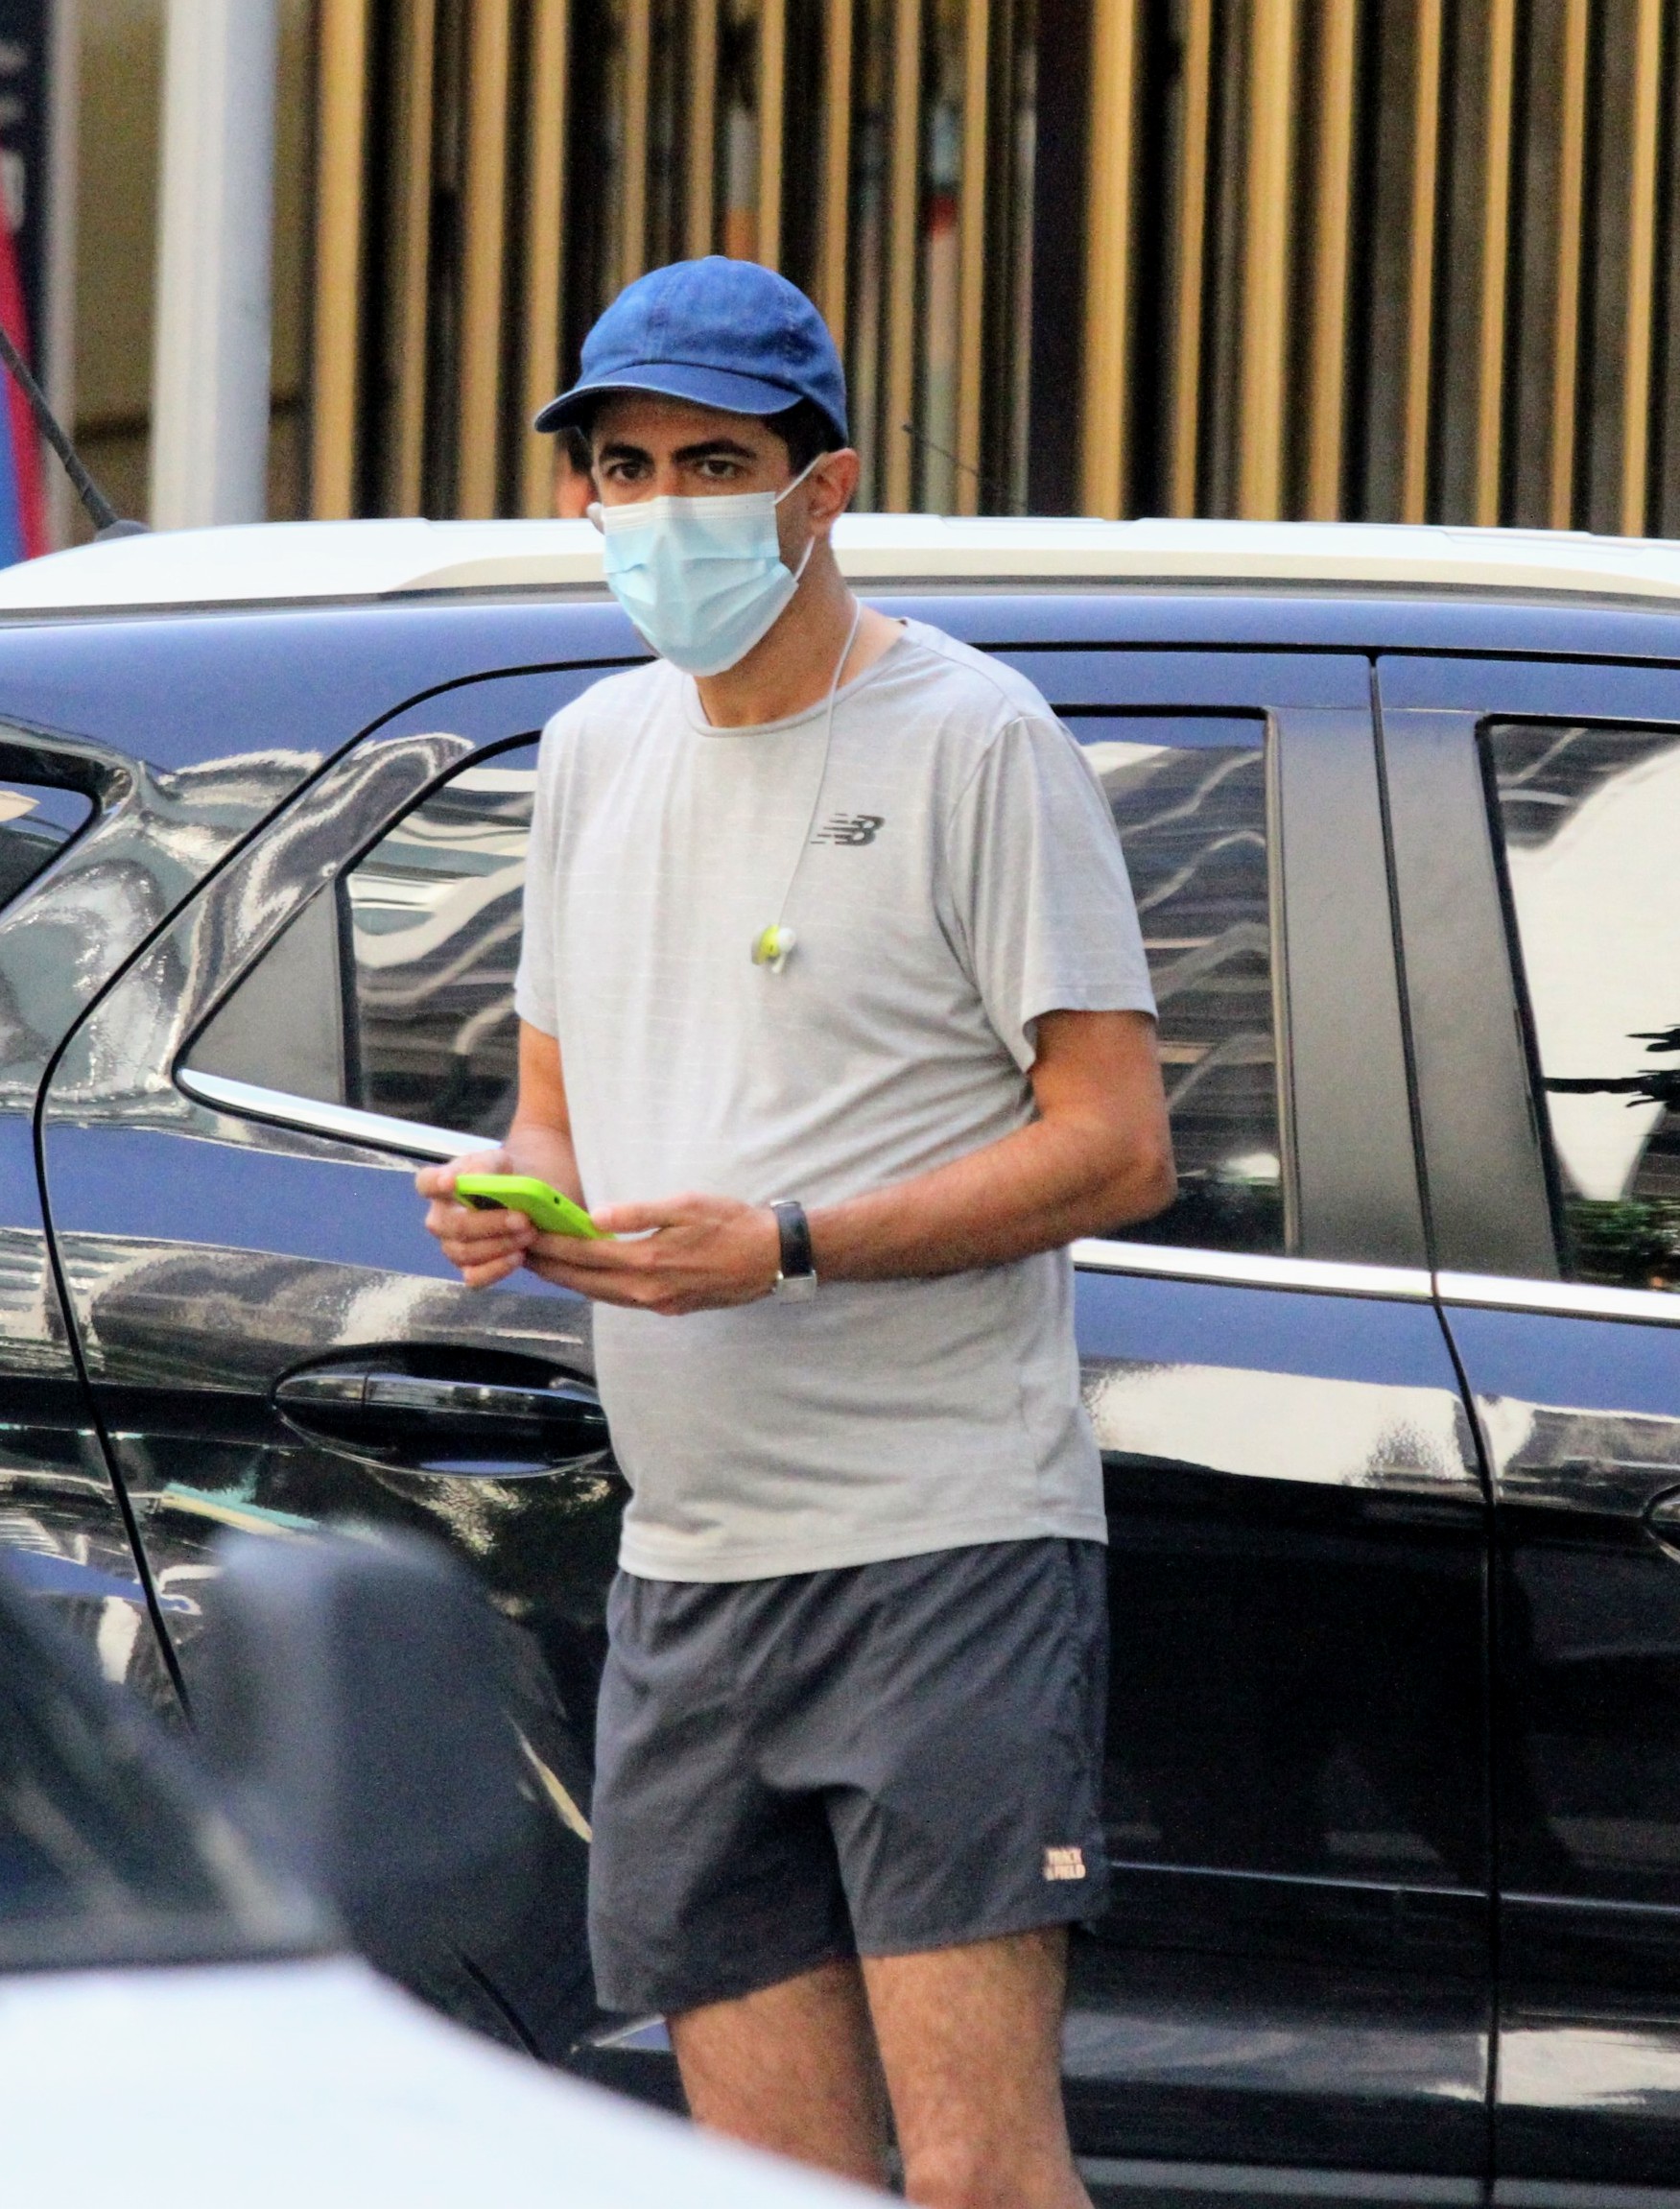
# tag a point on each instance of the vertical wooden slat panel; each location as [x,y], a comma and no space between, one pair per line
[1496,254]
[971,219]
[837,167]
[1566,343]
[904,236]
[1420,308]
[1641,268]
[772,119]
[1270,282]
[485,229]
[341,123]
[411,249]
[545,243]
[1265,269]
[1109,258]
[1332,230]
[638,90]
[702,209]
[1191,256]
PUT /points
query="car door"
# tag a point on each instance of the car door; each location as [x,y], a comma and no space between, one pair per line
[136,752]
[95,847]
[1536,809]
[270,1337]
[1295,1968]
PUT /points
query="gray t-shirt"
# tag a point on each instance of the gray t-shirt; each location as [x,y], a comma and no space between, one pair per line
[963,876]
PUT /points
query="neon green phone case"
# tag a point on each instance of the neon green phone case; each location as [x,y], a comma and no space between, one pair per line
[544,1207]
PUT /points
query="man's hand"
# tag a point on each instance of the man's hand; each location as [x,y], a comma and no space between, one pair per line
[487,1245]
[689,1254]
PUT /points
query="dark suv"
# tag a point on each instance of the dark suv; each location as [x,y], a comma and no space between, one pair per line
[1390,1402]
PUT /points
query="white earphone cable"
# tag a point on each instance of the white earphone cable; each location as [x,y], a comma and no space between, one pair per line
[771,945]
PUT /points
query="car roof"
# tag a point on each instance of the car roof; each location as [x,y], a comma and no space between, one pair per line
[280,561]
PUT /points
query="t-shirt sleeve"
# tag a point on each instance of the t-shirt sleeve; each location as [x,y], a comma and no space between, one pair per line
[1040,884]
[534,984]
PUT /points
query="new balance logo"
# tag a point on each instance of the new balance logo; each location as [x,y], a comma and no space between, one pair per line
[1064,1863]
[849,828]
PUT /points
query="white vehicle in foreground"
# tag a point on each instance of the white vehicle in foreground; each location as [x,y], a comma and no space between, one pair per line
[180,2020]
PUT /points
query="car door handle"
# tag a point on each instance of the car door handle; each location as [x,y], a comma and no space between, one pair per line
[443,1425]
[1663,1517]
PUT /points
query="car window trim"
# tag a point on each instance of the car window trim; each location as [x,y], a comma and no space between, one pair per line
[1566,1299]
[347,1123]
[1241,1268]
[1097,1254]
[376,1130]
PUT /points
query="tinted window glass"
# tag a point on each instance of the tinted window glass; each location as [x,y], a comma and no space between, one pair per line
[1591,823]
[1189,798]
[392,990]
[37,820]
[434,921]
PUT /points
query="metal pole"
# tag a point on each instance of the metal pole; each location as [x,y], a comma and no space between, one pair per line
[56,344]
[210,375]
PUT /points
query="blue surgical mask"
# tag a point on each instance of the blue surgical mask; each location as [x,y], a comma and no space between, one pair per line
[702,577]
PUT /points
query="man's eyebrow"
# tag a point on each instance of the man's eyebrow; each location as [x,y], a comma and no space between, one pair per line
[713,448]
[708,448]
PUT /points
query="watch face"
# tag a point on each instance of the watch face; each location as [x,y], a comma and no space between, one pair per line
[795,1287]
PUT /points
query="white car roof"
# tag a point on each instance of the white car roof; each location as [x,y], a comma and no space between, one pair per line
[280,560]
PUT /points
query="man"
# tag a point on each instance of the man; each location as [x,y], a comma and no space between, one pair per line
[834,1009]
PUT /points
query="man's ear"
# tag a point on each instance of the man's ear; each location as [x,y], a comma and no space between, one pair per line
[834,481]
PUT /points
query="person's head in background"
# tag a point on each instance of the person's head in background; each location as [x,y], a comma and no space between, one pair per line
[574,484]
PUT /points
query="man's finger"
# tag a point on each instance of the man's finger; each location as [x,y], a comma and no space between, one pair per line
[485,1274]
[463,1224]
[467,1255]
[602,1258]
[642,1219]
[439,1182]
[634,1292]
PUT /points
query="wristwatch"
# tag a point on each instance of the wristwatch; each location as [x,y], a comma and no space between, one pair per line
[797,1279]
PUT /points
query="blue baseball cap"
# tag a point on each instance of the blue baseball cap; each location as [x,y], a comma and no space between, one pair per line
[721,333]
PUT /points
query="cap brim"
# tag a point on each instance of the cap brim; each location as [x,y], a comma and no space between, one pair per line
[701,387]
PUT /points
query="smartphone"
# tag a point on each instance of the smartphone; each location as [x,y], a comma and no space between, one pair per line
[544,1207]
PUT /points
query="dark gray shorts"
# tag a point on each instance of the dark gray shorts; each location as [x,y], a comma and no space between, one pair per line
[875,1760]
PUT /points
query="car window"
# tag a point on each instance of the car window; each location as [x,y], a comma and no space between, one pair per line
[37,820]
[394,993]
[1189,796]
[432,921]
[1589,820]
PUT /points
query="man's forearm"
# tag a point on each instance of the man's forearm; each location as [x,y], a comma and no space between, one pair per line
[1036,1189]
[1099,1154]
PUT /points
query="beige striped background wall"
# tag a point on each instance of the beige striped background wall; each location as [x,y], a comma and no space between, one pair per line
[1379,259]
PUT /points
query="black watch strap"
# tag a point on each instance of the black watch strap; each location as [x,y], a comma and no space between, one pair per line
[797,1261]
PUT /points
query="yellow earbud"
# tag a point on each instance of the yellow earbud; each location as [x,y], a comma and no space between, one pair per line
[771,945]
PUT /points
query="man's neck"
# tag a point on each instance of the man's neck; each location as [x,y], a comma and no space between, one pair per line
[792,668]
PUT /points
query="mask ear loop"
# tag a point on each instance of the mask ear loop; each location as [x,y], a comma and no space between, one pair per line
[771,946]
